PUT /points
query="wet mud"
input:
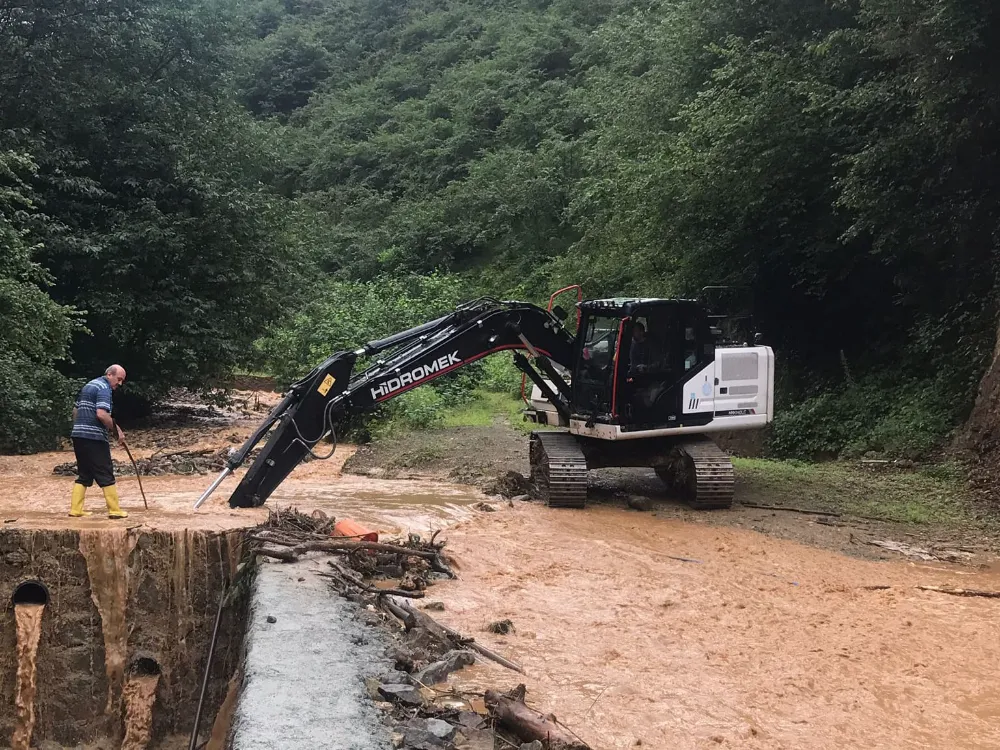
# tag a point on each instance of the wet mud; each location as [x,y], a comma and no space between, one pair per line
[678,632]
[752,642]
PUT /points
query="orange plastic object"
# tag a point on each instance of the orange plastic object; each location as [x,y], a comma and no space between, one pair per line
[348,528]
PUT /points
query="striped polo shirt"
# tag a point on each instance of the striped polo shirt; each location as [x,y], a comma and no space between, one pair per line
[93,396]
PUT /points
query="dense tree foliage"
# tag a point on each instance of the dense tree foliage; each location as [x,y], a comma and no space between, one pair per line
[838,158]
[183,159]
[159,228]
[36,331]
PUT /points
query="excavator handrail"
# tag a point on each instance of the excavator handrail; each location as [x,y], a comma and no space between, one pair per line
[552,298]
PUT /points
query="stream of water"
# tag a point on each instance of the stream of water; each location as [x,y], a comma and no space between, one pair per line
[29,628]
[139,695]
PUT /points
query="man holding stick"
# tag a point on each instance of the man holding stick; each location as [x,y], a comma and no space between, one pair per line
[92,424]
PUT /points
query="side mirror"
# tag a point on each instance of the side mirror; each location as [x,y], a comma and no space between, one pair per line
[560,313]
[758,339]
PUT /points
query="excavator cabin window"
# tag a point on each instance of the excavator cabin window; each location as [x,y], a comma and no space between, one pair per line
[666,346]
[594,376]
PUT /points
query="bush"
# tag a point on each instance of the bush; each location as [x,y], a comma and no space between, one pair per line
[419,409]
[499,375]
[346,314]
[895,419]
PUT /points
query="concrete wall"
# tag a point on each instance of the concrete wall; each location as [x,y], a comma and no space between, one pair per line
[172,586]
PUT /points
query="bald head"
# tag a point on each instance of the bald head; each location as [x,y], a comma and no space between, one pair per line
[115,375]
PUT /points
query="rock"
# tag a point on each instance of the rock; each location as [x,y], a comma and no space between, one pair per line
[395,677]
[501,627]
[471,720]
[401,658]
[404,694]
[421,739]
[424,645]
[272,619]
[17,559]
[439,670]
[536,745]
[434,606]
[637,502]
[440,729]
[475,739]
[521,498]
[397,740]
[485,507]
[372,685]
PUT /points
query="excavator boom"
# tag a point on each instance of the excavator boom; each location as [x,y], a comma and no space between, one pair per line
[311,409]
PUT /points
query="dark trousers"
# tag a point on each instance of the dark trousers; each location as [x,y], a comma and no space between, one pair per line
[93,462]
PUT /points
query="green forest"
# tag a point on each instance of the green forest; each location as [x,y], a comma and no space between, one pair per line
[197,187]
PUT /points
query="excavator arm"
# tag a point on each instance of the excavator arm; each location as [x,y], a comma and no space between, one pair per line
[312,407]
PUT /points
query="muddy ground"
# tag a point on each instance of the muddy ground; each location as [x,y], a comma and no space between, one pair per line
[479,455]
[741,628]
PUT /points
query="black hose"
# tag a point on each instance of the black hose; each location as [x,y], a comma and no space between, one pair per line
[208,669]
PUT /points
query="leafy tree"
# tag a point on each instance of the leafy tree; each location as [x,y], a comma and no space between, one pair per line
[35,335]
[165,228]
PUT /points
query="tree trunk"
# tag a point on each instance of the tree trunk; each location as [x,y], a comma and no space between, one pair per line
[529,725]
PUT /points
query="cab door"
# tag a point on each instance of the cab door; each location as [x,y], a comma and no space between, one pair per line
[593,378]
[678,347]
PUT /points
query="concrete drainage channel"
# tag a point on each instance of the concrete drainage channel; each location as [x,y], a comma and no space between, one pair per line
[136,639]
[106,635]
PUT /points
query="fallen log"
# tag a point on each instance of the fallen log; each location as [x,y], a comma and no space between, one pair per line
[354,580]
[324,545]
[962,592]
[413,617]
[529,725]
[807,511]
[279,553]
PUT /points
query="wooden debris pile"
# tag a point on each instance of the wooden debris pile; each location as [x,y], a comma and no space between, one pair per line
[190,462]
[385,578]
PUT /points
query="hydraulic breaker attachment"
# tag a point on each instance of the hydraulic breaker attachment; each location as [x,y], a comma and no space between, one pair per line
[304,417]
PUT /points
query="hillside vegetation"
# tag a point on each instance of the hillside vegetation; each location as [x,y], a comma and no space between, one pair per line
[195,186]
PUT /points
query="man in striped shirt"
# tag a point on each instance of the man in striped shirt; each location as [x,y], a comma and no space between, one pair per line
[92,424]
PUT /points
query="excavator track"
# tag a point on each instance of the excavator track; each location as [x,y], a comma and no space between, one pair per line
[703,472]
[558,469]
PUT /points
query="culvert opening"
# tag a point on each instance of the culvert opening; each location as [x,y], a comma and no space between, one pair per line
[31,592]
[144,666]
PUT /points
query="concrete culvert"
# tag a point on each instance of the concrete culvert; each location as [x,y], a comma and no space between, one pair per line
[31,592]
[144,666]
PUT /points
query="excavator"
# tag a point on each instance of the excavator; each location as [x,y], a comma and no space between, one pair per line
[640,382]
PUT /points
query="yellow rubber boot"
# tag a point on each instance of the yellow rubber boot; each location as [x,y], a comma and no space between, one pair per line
[111,497]
[76,505]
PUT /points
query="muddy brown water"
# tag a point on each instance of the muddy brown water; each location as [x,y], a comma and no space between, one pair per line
[139,695]
[28,618]
[34,498]
[758,643]
[761,644]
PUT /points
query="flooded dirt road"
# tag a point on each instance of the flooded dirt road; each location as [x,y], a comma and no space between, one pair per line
[761,643]
[33,497]
[637,627]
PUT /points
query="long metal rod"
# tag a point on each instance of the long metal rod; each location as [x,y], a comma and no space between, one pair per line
[208,669]
[136,467]
[212,487]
